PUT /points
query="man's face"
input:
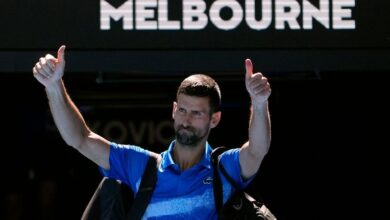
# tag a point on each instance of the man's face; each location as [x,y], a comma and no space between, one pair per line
[191,119]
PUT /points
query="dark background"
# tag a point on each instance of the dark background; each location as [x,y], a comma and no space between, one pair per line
[328,106]
[41,24]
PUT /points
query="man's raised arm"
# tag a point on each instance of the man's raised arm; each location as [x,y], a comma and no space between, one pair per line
[68,119]
[253,151]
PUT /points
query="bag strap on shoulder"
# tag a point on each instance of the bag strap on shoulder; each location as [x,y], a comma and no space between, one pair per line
[217,183]
[145,191]
[216,164]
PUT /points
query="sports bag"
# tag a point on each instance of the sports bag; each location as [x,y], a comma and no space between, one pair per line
[241,205]
[113,200]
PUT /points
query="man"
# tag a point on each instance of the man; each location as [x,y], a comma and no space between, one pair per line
[184,188]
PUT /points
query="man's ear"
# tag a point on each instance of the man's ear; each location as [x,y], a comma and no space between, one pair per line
[215,118]
[174,107]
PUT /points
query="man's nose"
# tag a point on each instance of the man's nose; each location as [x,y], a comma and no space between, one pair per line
[187,118]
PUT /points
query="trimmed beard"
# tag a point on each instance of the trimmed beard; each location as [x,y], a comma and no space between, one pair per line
[188,136]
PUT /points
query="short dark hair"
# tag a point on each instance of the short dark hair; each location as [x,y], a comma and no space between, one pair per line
[201,85]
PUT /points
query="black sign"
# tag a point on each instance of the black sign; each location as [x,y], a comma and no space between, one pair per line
[194,24]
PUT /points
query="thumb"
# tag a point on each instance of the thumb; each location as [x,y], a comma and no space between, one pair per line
[248,68]
[61,54]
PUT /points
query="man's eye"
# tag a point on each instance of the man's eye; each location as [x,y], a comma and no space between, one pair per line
[197,114]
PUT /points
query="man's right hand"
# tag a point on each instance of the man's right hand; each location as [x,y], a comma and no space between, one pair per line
[49,70]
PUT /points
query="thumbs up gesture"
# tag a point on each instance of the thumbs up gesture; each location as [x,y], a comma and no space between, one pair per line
[49,70]
[257,85]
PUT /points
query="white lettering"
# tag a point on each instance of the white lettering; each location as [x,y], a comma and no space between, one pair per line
[194,17]
[266,20]
[287,11]
[310,12]
[163,22]
[144,14]
[154,14]
[125,11]
[339,13]
[233,22]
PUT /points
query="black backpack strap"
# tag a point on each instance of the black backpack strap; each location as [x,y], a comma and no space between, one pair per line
[227,176]
[109,201]
[217,183]
[146,188]
[259,199]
